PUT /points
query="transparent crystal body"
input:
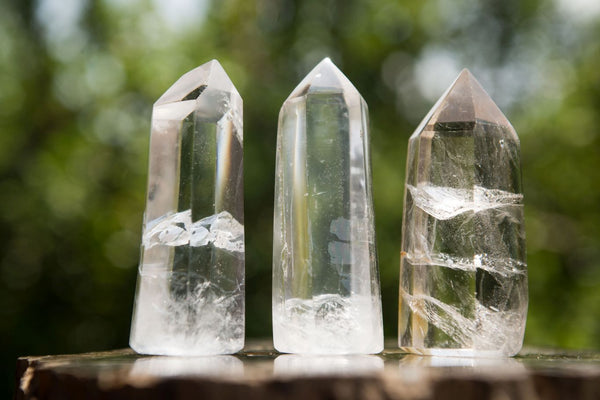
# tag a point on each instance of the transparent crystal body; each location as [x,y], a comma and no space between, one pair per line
[463,273]
[190,290]
[326,295]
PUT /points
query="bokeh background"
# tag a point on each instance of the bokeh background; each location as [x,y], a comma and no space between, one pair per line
[77,83]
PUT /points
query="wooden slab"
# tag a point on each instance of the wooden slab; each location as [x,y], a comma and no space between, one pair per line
[261,373]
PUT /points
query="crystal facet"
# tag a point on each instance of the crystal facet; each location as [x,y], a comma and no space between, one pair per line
[463,273]
[190,291]
[326,296]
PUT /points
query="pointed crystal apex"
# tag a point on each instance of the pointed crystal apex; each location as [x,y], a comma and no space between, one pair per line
[324,77]
[467,102]
[193,83]
[206,89]
[218,78]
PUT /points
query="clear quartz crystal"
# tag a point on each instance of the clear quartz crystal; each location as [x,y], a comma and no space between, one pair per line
[326,296]
[190,290]
[463,273]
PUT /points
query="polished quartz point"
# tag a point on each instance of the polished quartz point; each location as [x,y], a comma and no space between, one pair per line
[190,290]
[326,296]
[463,273]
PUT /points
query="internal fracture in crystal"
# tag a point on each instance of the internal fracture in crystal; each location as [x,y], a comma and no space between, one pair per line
[463,273]
[190,291]
[326,296]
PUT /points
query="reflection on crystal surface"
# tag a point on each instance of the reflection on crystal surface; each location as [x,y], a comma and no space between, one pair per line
[229,366]
[190,292]
[463,275]
[310,365]
[325,280]
[496,364]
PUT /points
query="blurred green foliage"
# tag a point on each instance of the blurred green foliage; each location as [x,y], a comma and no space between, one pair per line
[77,83]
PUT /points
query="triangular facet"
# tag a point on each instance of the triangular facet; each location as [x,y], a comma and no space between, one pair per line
[188,83]
[466,101]
[193,83]
[218,78]
[325,77]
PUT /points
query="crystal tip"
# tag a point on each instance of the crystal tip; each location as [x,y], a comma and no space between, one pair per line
[191,84]
[324,77]
[467,101]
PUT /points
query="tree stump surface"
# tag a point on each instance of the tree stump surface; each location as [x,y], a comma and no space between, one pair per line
[259,372]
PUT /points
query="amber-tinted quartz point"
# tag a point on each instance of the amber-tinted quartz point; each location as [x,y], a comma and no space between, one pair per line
[463,274]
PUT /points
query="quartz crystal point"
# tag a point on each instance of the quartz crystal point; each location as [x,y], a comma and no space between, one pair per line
[463,276]
[190,290]
[326,296]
